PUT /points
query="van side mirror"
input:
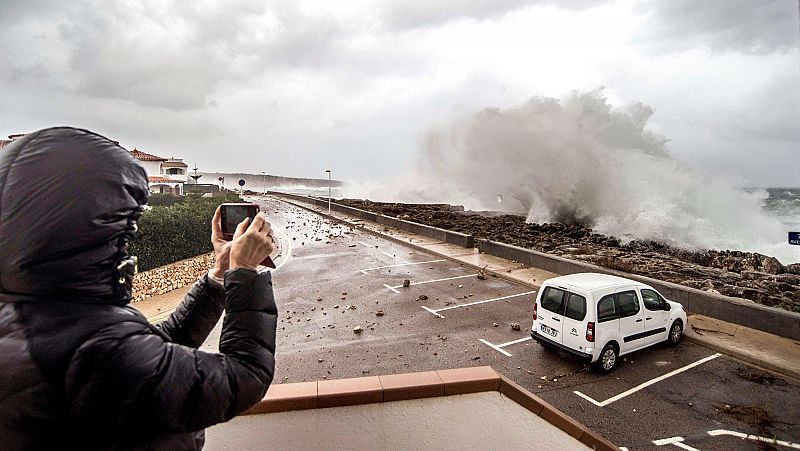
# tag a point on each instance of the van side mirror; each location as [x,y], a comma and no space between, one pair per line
[665,305]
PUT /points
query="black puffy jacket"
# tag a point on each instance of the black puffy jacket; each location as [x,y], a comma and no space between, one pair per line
[80,368]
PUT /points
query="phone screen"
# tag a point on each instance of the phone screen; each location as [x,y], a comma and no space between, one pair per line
[234,214]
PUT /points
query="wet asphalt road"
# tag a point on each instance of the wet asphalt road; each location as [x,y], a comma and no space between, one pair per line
[334,281]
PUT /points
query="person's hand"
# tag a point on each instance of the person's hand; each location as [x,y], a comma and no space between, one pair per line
[222,247]
[251,245]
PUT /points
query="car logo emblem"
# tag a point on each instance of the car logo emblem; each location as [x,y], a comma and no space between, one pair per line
[574,332]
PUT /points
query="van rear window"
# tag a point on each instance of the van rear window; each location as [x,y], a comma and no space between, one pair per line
[576,307]
[552,299]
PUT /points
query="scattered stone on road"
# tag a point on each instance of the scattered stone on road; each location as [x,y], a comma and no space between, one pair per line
[357,330]
[515,326]
[379,313]
[422,297]
[495,325]
[406,283]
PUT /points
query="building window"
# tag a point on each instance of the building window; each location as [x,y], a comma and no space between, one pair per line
[174,171]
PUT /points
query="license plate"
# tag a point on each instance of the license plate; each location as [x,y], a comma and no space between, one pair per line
[549,330]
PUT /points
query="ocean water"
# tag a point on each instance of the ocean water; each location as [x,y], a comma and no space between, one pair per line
[309,191]
[784,204]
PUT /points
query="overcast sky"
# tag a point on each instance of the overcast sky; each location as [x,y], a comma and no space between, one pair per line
[297,87]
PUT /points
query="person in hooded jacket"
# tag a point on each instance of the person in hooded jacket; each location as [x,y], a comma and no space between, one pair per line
[81,368]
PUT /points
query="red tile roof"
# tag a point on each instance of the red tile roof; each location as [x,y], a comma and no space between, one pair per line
[139,155]
[157,179]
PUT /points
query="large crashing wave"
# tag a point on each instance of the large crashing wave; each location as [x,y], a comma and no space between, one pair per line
[579,160]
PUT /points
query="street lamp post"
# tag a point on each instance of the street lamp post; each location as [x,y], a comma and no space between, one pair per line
[329,190]
[265,181]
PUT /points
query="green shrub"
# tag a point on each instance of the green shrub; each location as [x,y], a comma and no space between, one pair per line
[164,200]
[175,232]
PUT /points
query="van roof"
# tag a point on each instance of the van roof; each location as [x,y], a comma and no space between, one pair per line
[591,280]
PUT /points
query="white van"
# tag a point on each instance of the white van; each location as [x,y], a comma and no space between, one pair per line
[598,317]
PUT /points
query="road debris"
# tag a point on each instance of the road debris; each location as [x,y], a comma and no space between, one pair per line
[515,326]
[357,330]
[422,297]
[482,273]
[379,313]
[406,283]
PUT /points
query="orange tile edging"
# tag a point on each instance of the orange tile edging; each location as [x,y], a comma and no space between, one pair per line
[374,389]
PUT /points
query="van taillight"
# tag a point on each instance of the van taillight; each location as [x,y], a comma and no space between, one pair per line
[590,332]
[534,310]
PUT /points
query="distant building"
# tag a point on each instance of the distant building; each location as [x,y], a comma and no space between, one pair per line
[164,175]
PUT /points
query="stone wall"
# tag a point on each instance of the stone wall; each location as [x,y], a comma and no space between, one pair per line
[170,277]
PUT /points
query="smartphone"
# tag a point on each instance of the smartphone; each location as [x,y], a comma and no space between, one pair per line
[232,215]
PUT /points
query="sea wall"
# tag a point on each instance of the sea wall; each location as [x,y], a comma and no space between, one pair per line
[733,310]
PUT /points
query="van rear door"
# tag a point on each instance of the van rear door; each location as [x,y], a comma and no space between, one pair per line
[574,325]
[551,313]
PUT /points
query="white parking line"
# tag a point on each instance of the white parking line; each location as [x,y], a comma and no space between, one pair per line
[432,311]
[483,302]
[646,384]
[500,347]
[391,288]
[437,280]
[318,256]
[718,432]
[521,340]
[363,244]
[364,271]
[677,441]
[496,348]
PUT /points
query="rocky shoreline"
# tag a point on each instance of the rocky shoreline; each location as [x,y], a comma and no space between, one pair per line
[752,276]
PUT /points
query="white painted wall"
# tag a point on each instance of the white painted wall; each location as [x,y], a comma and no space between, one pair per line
[153,168]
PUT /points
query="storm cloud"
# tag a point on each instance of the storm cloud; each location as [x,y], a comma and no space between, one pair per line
[295,87]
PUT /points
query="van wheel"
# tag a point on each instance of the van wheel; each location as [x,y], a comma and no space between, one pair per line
[607,360]
[675,333]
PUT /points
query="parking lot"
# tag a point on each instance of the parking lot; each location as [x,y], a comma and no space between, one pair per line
[345,312]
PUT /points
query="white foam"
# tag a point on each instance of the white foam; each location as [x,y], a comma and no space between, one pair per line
[580,160]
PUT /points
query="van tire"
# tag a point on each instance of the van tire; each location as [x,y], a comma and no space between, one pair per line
[675,333]
[608,359]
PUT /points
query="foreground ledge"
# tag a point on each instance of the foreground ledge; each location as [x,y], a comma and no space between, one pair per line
[479,394]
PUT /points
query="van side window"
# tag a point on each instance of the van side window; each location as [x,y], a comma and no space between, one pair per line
[628,304]
[576,307]
[606,309]
[651,299]
[552,300]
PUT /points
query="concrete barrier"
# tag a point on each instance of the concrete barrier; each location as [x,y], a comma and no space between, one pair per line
[733,310]
[447,236]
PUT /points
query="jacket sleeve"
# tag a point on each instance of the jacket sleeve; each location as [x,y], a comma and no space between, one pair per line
[128,379]
[196,315]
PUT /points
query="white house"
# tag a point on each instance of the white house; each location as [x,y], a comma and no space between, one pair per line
[164,175]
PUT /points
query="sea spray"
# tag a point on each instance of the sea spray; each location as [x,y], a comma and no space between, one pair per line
[581,161]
